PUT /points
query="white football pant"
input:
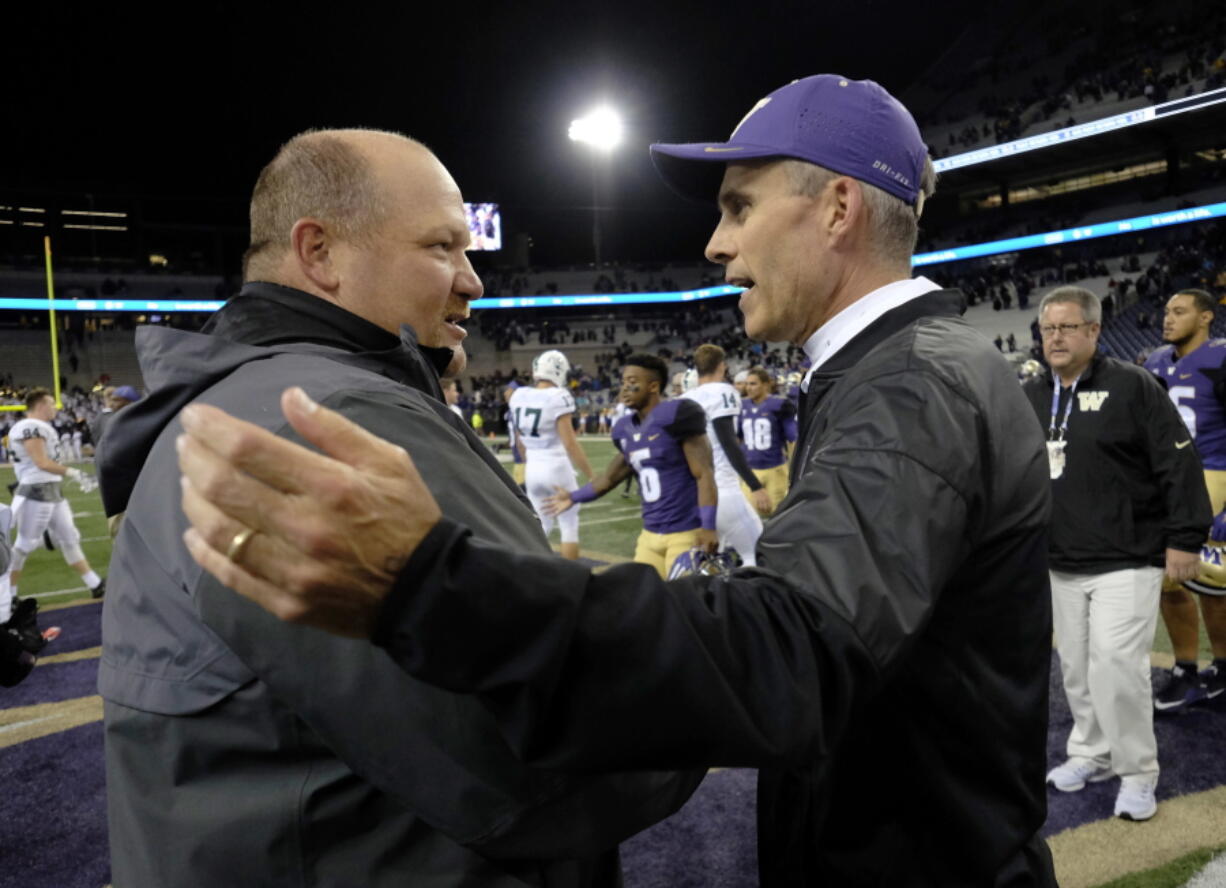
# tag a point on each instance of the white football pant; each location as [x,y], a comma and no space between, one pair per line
[32,517]
[737,524]
[1104,631]
[543,475]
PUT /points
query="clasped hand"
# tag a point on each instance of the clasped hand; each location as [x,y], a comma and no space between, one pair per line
[331,530]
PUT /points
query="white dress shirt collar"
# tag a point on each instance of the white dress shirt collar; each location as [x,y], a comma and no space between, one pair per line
[844,326]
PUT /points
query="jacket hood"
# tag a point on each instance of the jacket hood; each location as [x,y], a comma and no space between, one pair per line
[177,366]
[261,322]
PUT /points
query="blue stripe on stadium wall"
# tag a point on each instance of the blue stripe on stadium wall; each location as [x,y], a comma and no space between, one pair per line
[954,254]
[149,305]
[1073,235]
[605,298]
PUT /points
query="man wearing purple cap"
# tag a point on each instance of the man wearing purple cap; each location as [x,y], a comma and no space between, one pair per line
[886,664]
[114,400]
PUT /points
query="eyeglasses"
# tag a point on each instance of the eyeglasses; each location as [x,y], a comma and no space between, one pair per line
[1049,330]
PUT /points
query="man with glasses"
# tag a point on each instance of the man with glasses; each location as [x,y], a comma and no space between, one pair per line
[1128,501]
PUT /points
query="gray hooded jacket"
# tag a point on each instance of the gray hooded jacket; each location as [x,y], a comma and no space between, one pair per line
[246,751]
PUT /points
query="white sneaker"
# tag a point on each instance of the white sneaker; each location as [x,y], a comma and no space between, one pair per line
[1136,797]
[1076,773]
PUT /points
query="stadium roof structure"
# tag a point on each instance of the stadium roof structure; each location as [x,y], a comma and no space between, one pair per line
[1199,127]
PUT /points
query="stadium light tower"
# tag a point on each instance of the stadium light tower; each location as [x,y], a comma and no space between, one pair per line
[600,130]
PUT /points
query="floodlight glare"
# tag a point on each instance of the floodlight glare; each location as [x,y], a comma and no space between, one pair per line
[602,129]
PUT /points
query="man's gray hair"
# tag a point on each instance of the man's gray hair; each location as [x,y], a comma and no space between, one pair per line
[319,174]
[1091,308]
[893,224]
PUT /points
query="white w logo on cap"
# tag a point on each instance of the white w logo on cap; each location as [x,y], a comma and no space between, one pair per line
[762,103]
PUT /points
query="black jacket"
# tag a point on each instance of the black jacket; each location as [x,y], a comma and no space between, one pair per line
[244,751]
[1132,485]
[886,667]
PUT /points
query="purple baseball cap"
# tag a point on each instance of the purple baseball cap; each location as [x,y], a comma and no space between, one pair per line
[128,393]
[853,127]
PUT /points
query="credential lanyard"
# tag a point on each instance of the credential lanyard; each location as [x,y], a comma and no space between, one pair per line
[1055,433]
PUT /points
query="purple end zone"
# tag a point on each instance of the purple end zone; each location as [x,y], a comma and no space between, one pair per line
[82,627]
[1190,756]
[53,818]
[53,825]
[710,843]
[53,682]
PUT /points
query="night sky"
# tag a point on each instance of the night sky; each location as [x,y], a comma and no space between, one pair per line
[108,101]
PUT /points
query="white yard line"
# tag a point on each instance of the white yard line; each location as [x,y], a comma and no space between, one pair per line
[610,507]
[55,592]
[25,724]
[634,517]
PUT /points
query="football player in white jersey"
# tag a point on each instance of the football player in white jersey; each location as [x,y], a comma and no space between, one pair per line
[542,415]
[39,503]
[736,522]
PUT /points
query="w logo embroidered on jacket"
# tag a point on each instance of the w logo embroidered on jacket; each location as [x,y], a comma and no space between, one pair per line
[1091,402]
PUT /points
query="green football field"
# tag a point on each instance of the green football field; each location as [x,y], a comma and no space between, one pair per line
[607,531]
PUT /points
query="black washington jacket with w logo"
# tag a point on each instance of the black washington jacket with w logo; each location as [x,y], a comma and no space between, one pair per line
[885,666]
[1132,485]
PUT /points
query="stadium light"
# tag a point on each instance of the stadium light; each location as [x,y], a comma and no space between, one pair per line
[601,128]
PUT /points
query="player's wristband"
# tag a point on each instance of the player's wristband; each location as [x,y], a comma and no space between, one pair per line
[73,474]
[707,515]
[1217,532]
[584,494]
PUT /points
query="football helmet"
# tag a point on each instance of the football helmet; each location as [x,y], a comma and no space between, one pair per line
[689,381]
[1211,578]
[696,562]
[551,366]
[1030,369]
[741,376]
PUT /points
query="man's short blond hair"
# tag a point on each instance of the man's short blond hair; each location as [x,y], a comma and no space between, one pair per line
[707,357]
[893,224]
[318,174]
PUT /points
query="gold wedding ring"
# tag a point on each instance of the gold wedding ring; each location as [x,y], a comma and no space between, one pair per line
[239,543]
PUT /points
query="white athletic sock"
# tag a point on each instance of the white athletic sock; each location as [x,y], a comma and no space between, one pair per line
[92,579]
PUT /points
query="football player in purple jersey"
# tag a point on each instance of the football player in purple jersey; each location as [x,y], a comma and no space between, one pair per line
[768,429]
[1193,368]
[663,442]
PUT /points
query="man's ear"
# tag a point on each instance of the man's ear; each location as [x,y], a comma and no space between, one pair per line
[845,210]
[311,245]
